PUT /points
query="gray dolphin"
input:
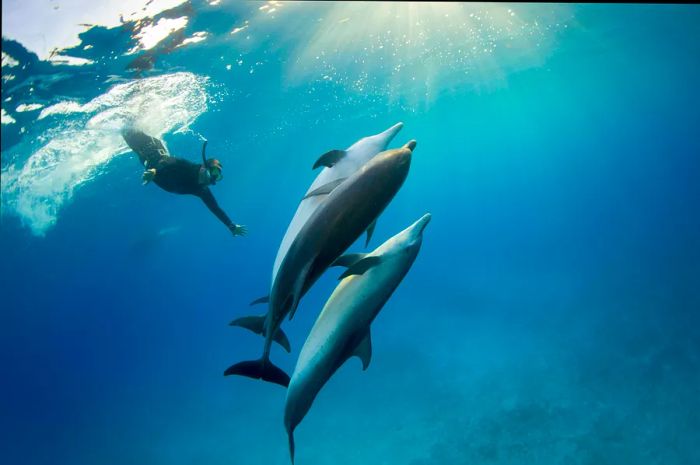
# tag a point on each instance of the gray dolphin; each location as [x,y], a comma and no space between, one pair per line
[350,208]
[342,328]
[338,164]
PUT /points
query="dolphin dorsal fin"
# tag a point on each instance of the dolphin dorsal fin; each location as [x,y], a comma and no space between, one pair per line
[325,189]
[364,350]
[330,158]
[348,259]
[361,266]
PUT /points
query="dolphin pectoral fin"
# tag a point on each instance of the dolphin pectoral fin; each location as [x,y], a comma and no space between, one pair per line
[370,231]
[281,339]
[262,300]
[361,266]
[349,259]
[330,158]
[256,324]
[259,369]
[298,287]
[253,323]
[325,189]
[364,350]
[293,311]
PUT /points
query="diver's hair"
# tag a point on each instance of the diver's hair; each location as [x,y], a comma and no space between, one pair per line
[209,162]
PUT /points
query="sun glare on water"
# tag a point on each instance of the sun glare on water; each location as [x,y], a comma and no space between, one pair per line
[413,50]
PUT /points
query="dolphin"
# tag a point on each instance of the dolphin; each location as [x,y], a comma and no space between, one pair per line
[342,329]
[148,241]
[339,164]
[350,208]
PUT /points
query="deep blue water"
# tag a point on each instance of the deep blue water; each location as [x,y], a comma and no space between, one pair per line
[551,316]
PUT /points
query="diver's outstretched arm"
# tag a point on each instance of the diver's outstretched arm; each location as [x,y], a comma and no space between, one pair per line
[211,203]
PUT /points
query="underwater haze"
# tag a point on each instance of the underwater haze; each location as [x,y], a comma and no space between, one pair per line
[551,317]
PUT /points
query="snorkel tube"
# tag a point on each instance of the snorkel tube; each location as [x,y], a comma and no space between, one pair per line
[204,154]
[204,164]
[209,166]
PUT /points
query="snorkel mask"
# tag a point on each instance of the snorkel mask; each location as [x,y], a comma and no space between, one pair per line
[212,168]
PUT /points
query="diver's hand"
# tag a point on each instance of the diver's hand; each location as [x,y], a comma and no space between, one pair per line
[238,229]
[148,176]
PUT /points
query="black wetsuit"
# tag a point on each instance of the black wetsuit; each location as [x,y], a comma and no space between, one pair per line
[173,174]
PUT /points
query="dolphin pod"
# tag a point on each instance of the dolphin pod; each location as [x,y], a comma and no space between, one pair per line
[342,203]
[349,209]
[338,166]
[342,329]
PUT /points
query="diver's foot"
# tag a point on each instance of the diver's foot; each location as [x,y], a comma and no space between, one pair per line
[148,176]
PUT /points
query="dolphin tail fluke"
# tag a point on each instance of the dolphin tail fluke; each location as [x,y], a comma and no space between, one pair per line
[291,445]
[259,369]
[256,324]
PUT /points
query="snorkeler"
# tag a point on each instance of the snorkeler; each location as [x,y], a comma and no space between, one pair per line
[178,175]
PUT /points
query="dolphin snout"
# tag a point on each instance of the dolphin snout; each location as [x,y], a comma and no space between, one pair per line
[422,223]
[403,156]
[414,233]
[400,157]
[390,133]
[406,152]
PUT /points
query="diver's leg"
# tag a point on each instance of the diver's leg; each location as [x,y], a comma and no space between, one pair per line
[149,149]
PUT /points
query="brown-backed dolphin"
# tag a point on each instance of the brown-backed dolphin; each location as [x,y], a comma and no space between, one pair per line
[337,164]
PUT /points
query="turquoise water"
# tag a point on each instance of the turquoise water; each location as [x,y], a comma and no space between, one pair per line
[550,317]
